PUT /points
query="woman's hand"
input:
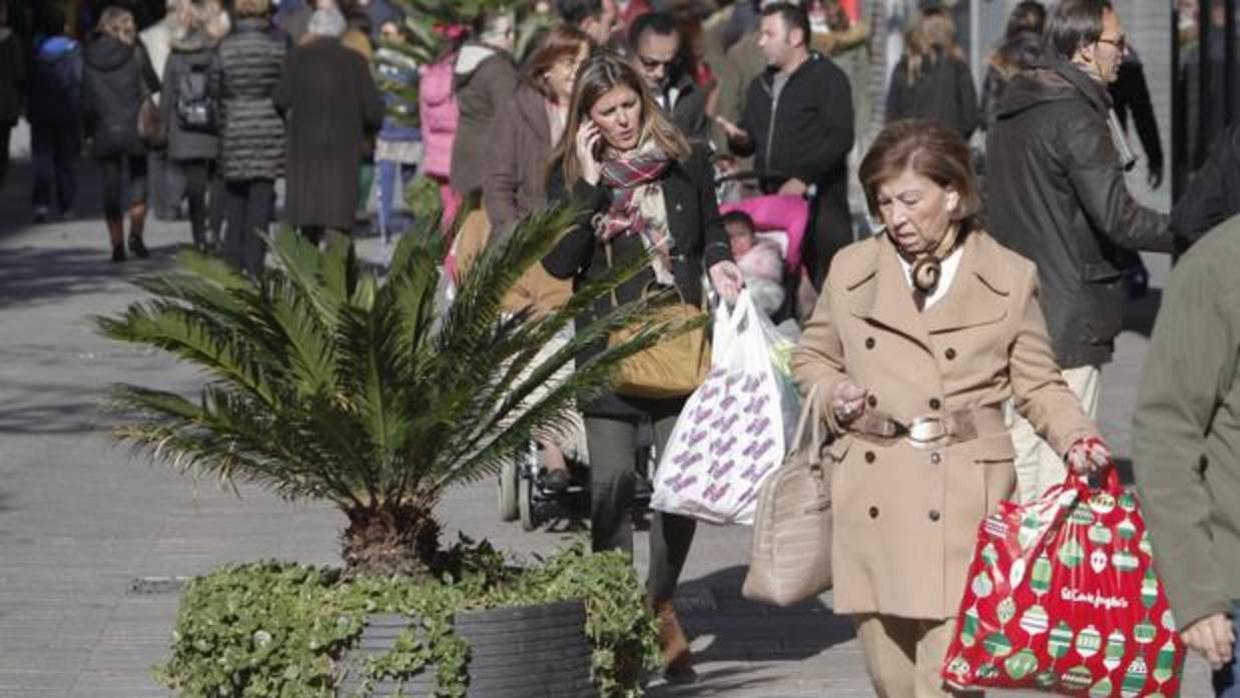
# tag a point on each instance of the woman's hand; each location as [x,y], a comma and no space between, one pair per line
[588,138]
[726,277]
[1088,455]
[848,401]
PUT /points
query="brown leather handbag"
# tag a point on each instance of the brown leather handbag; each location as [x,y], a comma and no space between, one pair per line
[672,368]
[790,558]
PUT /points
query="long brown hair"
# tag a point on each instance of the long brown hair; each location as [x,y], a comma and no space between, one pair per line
[600,74]
[558,43]
[932,32]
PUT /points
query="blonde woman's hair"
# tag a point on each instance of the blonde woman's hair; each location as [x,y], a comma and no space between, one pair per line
[598,75]
[206,16]
[117,22]
[932,33]
[251,8]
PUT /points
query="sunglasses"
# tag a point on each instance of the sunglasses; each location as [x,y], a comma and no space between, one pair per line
[652,63]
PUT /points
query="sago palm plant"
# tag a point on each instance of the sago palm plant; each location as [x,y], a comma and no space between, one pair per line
[324,380]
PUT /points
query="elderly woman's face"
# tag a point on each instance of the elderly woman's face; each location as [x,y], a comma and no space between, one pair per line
[618,115]
[916,210]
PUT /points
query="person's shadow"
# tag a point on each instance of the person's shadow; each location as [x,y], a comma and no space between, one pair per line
[740,633]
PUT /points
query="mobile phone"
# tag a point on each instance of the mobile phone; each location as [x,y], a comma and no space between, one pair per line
[599,145]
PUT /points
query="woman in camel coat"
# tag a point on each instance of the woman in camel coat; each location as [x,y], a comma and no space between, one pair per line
[912,380]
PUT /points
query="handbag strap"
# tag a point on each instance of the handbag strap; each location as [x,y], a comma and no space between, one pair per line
[811,415]
[615,302]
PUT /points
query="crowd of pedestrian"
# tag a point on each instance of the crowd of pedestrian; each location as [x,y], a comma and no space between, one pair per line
[988,305]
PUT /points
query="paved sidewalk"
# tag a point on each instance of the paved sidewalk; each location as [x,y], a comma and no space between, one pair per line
[80,519]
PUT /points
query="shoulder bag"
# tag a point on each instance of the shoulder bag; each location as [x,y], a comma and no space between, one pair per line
[152,127]
[790,559]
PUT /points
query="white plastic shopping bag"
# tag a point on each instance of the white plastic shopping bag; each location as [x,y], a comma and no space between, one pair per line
[735,428]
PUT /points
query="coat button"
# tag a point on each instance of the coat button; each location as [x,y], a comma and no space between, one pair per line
[935,404]
[935,458]
[873,512]
[872,401]
[950,354]
[870,457]
[934,515]
[869,342]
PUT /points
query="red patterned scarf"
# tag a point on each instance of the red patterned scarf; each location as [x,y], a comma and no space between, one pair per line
[637,205]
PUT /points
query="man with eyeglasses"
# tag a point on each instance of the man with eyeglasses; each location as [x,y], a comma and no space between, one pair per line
[1055,193]
[655,48]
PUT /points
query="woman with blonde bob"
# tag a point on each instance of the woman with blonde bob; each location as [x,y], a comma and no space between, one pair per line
[643,191]
[922,334]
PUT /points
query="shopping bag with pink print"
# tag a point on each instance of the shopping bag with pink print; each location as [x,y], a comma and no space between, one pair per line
[735,428]
[1062,596]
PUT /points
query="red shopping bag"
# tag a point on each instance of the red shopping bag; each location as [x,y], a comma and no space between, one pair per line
[1062,596]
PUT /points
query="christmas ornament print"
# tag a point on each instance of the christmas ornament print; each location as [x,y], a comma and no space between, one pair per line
[1088,642]
[1063,597]
[1114,651]
[1034,621]
[1134,678]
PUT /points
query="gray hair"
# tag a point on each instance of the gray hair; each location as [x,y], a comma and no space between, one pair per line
[327,22]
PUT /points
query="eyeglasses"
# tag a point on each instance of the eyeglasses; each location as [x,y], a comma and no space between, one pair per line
[1120,44]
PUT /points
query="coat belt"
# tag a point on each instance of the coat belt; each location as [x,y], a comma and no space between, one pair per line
[936,430]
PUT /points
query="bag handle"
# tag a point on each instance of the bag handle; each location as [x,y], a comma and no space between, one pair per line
[810,413]
[1109,481]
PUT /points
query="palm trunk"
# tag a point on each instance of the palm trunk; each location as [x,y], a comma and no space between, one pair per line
[390,539]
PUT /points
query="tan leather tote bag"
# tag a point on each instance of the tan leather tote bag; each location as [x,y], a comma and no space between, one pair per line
[790,560]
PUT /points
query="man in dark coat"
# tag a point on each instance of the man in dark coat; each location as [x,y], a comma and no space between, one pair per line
[798,122]
[1055,193]
[331,103]
[657,50]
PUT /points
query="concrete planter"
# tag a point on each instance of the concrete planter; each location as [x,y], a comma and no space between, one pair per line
[526,652]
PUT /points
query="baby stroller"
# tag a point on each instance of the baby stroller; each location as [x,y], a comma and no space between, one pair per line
[524,495]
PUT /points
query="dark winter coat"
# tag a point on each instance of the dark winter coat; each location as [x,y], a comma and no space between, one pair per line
[1020,52]
[688,109]
[243,77]
[807,134]
[520,145]
[331,103]
[189,54]
[1055,193]
[699,243]
[484,79]
[55,84]
[112,93]
[12,75]
[1213,193]
[943,93]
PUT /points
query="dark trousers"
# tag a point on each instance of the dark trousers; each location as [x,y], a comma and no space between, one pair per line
[114,167]
[199,178]
[826,236]
[53,152]
[249,213]
[613,483]
[6,130]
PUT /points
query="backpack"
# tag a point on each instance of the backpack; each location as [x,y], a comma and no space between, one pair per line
[193,107]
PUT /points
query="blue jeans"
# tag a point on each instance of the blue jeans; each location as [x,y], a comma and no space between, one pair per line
[388,171]
[1227,679]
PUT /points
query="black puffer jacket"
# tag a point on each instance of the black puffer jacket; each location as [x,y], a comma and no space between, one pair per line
[191,54]
[244,76]
[112,94]
[1055,193]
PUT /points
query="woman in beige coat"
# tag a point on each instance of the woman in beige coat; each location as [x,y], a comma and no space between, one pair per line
[921,334]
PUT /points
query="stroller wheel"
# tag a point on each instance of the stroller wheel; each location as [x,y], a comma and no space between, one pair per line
[509,482]
[525,503]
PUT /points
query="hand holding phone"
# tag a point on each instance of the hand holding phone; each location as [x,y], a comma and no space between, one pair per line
[589,150]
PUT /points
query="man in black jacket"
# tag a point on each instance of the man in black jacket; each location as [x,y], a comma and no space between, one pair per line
[798,122]
[1055,193]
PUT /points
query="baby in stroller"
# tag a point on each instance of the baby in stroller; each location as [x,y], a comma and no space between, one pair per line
[760,260]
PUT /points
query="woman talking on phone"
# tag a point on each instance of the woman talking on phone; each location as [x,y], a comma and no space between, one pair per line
[644,190]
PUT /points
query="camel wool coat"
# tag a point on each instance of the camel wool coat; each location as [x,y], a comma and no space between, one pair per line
[905,517]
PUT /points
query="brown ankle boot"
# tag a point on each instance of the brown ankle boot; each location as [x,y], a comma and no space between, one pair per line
[677,662]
